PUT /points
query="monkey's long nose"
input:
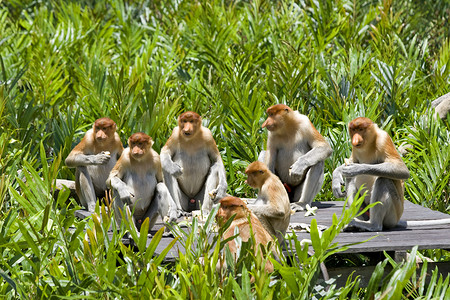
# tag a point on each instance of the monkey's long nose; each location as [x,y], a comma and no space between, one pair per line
[357,140]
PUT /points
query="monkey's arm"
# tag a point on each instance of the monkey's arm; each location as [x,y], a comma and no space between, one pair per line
[270,156]
[217,165]
[392,170]
[166,159]
[267,210]
[79,159]
[337,183]
[310,158]
[115,182]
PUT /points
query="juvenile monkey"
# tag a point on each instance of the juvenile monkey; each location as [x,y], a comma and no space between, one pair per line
[137,180]
[376,164]
[296,152]
[272,204]
[230,206]
[93,158]
[192,165]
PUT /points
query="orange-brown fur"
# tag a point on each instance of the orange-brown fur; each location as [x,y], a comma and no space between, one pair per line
[192,165]
[230,206]
[137,180]
[376,164]
[296,152]
[272,205]
[92,161]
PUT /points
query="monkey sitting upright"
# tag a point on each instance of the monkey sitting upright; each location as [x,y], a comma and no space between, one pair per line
[376,164]
[272,204]
[94,157]
[192,166]
[296,153]
[137,180]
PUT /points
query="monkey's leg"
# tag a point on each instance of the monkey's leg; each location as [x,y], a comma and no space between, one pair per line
[120,208]
[211,189]
[382,214]
[262,156]
[309,188]
[85,188]
[180,200]
[165,204]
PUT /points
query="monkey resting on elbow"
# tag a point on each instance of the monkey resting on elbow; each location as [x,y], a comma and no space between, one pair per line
[94,157]
[376,164]
[192,165]
[137,180]
[230,206]
[296,152]
[272,204]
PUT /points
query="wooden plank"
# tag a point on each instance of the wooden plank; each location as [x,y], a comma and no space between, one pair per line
[398,239]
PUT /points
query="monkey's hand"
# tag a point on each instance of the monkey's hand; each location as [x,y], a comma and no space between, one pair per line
[175,170]
[298,170]
[353,170]
[218,193]
[101,158]
[121,189]
[337,183]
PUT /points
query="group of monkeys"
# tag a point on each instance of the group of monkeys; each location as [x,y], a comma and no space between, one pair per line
[190,175]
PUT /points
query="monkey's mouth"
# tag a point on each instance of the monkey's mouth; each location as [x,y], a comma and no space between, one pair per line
[187,133]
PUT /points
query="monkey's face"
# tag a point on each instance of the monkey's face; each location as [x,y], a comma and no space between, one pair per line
[255,178]
[222,215]
[104,129]
[227,211]
[188,127]
[257,173]
[276,115]
[360,130]
[139,144]
[138,150]
[102,133]
[189,124]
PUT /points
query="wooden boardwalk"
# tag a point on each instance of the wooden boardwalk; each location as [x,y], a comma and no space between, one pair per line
[397,239]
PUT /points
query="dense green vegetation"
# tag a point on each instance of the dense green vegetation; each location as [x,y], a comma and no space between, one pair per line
[65,63]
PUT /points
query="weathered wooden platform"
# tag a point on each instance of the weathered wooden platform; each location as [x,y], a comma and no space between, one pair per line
[397,239]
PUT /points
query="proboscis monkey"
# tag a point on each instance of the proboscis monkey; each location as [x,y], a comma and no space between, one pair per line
[376,164]
[94,157]
[137,181]
[230,206]
[442,106]
[272,204]
[192,165]
[296,152]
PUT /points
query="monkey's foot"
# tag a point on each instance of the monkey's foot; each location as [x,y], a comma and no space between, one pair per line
[167,233]
[91,207]
[182,213]
[296,207]
[360,226]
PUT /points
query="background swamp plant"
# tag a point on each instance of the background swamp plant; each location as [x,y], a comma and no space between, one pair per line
[64,64]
